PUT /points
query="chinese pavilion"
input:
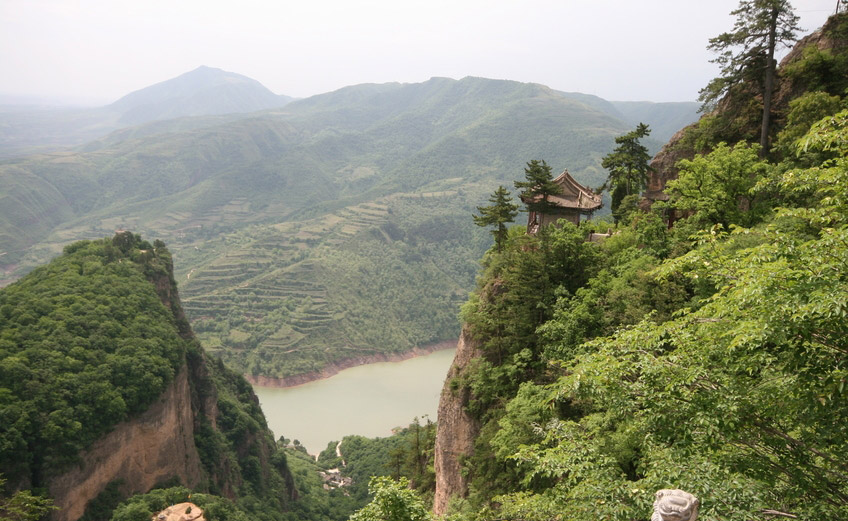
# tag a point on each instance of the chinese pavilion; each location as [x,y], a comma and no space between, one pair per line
[573,200]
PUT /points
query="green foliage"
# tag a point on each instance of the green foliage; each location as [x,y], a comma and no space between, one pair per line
[215,508]
[85,342]
[823,69]
[627,205]
[627,166]
[716,187]
[23,505]
[739,123]
[736,395]
[327,458]
[521,285]
[407,453]
[313,501]
[501,211]
[538,187]
[393,501]
[367,457]
[804,111]
[94,338]
[101,507]
[240,454]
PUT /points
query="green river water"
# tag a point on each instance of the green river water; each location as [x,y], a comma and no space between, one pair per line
[369,400]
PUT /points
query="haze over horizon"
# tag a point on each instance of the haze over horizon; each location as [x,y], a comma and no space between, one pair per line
[91,53]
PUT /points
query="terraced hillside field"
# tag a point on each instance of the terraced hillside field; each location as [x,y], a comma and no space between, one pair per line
[362,280]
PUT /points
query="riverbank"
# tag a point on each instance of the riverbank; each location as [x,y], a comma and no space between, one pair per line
[369,400]
[334,369]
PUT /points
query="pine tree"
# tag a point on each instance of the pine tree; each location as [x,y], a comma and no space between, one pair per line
[539,185]
[746,54]
[501,211]
[627,165]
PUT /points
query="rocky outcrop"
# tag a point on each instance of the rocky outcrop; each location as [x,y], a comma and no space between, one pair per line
[456,429]
[198,430]
[830,38]
[663,166]
[150,448]
[181,512]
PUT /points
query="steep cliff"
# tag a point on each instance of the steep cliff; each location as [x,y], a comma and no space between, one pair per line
[456,429]
[156,446]
[103,386]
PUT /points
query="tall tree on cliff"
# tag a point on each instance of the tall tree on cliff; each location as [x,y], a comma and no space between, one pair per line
[627,165]
[539,185]
[501,211]
[746,54]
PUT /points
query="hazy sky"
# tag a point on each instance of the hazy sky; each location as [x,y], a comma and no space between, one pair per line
[92,51]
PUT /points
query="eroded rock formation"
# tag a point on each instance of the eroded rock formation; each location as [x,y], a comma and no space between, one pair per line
[456,429]
[150,448]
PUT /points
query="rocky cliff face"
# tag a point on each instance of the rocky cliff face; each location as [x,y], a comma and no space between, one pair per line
[201,430]
[663,167]
[456,430]
[141,452]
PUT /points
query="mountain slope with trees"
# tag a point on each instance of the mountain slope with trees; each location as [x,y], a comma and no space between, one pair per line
[96,340]
[708,356]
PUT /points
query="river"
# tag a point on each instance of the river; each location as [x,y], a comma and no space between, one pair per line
[369,400]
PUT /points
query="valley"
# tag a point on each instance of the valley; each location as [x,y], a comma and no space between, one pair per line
[334,228]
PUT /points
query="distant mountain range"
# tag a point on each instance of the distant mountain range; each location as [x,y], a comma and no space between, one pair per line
[664,118]
[335,227]
[204,91]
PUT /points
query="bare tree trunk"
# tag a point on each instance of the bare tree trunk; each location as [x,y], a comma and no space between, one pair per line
[768,88]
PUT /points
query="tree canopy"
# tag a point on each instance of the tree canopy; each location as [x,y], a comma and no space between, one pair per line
[393,501]
[718,187]
[712,361]
[85,342]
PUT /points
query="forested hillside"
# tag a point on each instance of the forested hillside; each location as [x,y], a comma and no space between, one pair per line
[104,392]
[709,356]
[334,229]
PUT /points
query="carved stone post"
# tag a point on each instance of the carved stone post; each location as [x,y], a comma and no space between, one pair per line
[675,505]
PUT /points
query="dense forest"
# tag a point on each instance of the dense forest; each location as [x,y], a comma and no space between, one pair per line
[86,343]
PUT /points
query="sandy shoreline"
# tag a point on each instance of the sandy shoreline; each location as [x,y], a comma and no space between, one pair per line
[333,369]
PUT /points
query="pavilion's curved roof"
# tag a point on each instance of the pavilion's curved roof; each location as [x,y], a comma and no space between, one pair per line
[574,195]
